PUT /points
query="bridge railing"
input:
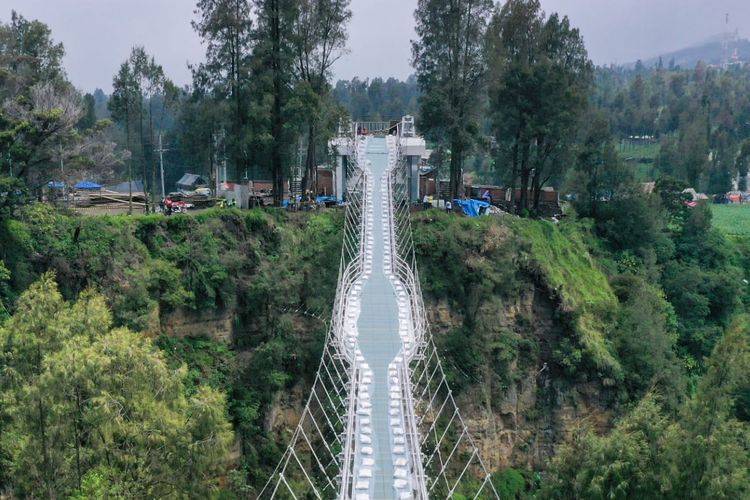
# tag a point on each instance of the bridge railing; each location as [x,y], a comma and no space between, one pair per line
[451,463]
[318,460]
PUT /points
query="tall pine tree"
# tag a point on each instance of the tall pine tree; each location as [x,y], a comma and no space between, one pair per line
[275,59]
[539,77]
[226,29]
[449,61]
[319,40]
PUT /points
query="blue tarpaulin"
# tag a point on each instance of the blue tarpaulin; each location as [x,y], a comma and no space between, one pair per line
[56,185]
[87,185]
[472,208]
[286,203]
[320,200]
[326,199]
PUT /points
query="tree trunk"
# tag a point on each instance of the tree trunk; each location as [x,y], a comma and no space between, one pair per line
[144,163]
[535,191]
[514,172]
[456,174]
[523,202]
[277,119]
[310,177]
[238,155]
[130,160]
[152,163]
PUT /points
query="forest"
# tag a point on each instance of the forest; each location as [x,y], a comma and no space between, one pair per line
[602,355]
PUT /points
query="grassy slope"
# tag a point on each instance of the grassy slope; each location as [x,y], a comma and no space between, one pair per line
[733,220]
[558,255]
[635,154]
[252,265]
[477,262]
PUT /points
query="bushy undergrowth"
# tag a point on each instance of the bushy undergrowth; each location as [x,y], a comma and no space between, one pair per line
[471,264]
[556,254]
[259,266]
[146,262]
[479,265]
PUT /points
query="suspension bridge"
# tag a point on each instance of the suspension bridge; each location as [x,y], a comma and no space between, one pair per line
[380,421]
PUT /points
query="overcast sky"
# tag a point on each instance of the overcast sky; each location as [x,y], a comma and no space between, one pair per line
[98,34]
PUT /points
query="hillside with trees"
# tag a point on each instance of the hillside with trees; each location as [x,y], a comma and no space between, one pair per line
[601,354]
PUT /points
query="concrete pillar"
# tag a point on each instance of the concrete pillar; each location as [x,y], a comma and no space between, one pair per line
[412,149]
[413,163]
[339,177]
[343,149]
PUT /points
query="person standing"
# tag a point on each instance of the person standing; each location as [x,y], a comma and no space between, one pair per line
[487,196]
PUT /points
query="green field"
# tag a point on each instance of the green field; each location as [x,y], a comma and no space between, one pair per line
[636,154]
[732,219]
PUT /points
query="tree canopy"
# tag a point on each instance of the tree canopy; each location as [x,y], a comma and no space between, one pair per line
[86,406]
[450,65]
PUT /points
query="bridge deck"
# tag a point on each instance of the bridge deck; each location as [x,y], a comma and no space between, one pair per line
[379,340]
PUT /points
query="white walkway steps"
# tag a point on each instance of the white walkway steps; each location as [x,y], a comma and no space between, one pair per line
[380,421]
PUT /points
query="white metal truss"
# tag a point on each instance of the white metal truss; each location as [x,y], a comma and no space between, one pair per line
[319,458]
[451,463]
[433,452]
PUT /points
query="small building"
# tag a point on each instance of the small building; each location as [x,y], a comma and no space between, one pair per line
[427,181]
[237,195]
[261,192]
[325,182]
[694,195]
[261,187]
[734,197]
[126,187]
[191,182]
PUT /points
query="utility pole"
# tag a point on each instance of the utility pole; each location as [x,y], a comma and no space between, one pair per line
[216,165]
[161,166]
[221,159]
[62,176]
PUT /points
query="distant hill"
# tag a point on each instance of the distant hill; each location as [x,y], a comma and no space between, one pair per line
[710,51]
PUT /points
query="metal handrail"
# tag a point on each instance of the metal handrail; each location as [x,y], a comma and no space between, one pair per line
[340,358]
[403,259]
[351,269]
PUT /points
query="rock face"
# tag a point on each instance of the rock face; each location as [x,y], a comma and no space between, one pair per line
[217,325]
[521,423]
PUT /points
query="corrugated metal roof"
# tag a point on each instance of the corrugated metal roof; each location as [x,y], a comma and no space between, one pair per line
[191,180]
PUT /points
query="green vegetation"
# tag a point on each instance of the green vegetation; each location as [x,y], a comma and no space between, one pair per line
[641,158]
[646,306]
[559,257]
[471,264]
[539,78]
[733,220]
[607,353]
[377,99]
[88,406]
[452,93]
[694,116]
[701,454]
[479,265]
[251,266]
[159,263]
